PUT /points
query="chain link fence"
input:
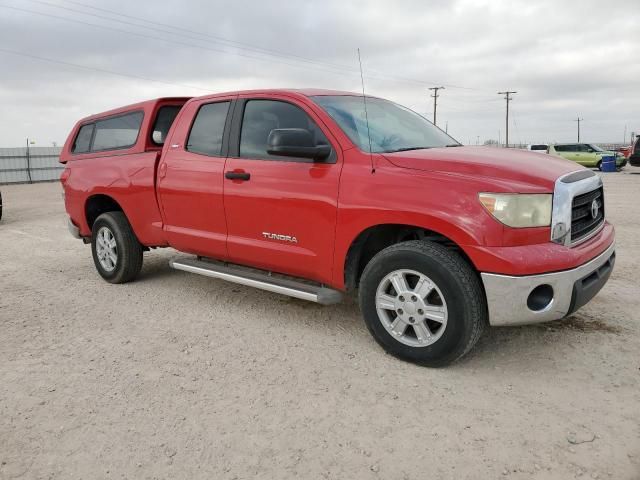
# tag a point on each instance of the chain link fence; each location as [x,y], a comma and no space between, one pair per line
[28,165]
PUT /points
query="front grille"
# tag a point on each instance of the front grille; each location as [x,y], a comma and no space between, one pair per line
[583,223]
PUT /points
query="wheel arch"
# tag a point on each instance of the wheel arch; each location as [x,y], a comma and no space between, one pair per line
[97,204]
[375,238]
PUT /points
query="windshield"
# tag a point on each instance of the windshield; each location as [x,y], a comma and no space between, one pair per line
[393,128]
[596,147]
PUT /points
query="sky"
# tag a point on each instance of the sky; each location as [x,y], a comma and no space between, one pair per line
[62,60]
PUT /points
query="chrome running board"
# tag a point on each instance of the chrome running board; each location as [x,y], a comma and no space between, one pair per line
[258,279]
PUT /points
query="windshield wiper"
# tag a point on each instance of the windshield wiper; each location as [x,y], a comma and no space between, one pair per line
[454,145]
[406,149]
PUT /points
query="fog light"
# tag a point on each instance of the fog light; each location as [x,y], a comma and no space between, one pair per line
[540,297]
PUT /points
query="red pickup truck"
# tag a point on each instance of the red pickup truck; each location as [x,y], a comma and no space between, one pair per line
[316,194]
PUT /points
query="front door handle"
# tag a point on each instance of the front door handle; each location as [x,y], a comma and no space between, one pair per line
[237,175]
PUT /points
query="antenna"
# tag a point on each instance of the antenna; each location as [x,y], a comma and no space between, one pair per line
[366,115]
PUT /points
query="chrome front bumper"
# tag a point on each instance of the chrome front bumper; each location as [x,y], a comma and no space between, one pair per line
[507,296]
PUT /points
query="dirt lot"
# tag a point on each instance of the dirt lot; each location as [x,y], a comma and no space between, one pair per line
[180,376]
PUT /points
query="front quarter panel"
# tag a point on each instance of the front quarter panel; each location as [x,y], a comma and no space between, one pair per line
[443,203]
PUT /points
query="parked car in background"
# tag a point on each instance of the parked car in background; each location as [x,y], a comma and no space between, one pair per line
[538,147]
[586,154]
[634,158]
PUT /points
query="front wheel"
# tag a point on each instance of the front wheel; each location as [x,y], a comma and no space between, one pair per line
[423,303]
[599,165]
[117,254]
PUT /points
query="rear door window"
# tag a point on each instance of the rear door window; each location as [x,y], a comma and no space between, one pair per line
[207,130]
[82,143]
[117,132]
[164,119]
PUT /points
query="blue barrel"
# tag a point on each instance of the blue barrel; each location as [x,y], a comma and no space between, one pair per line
[608,163]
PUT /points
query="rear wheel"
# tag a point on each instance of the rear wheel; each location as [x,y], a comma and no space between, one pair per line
[423,303]
[117,254]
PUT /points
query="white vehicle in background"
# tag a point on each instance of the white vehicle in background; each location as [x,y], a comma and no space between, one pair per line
[538,148]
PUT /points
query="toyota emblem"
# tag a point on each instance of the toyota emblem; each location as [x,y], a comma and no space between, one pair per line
[595,208]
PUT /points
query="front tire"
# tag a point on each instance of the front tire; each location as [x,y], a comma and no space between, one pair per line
[423,303]
[117,254]
[599,165]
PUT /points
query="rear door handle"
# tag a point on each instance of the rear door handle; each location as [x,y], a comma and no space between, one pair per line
[237,175]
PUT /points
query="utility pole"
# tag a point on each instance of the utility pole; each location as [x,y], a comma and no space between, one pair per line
[508,98]
[578,119]
[435,101]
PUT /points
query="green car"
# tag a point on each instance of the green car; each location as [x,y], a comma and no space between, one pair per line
[587,154]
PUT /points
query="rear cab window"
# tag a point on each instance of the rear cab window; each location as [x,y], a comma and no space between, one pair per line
[164,119]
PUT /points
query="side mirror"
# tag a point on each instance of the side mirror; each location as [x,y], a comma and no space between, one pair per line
[296,142]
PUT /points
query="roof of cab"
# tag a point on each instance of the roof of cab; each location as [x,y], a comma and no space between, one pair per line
[302,92]
[307,92]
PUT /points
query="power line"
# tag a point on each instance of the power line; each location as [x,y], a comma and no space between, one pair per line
[211,38]
[508,98]
[100,70]
[330,67]
[435,101]
[142,35]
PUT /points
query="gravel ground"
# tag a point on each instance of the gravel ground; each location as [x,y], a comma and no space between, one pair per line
[181,376]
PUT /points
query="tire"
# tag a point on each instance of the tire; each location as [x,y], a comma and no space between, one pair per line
[599,165]
[0,205]
[122,263]
[457,289]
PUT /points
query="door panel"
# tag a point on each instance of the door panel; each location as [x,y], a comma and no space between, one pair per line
[298,200]
[283,217]
[190,180]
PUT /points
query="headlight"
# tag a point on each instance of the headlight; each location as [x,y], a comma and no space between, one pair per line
[519,210]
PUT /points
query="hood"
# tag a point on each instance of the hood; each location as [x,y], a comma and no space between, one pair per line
[517,168]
